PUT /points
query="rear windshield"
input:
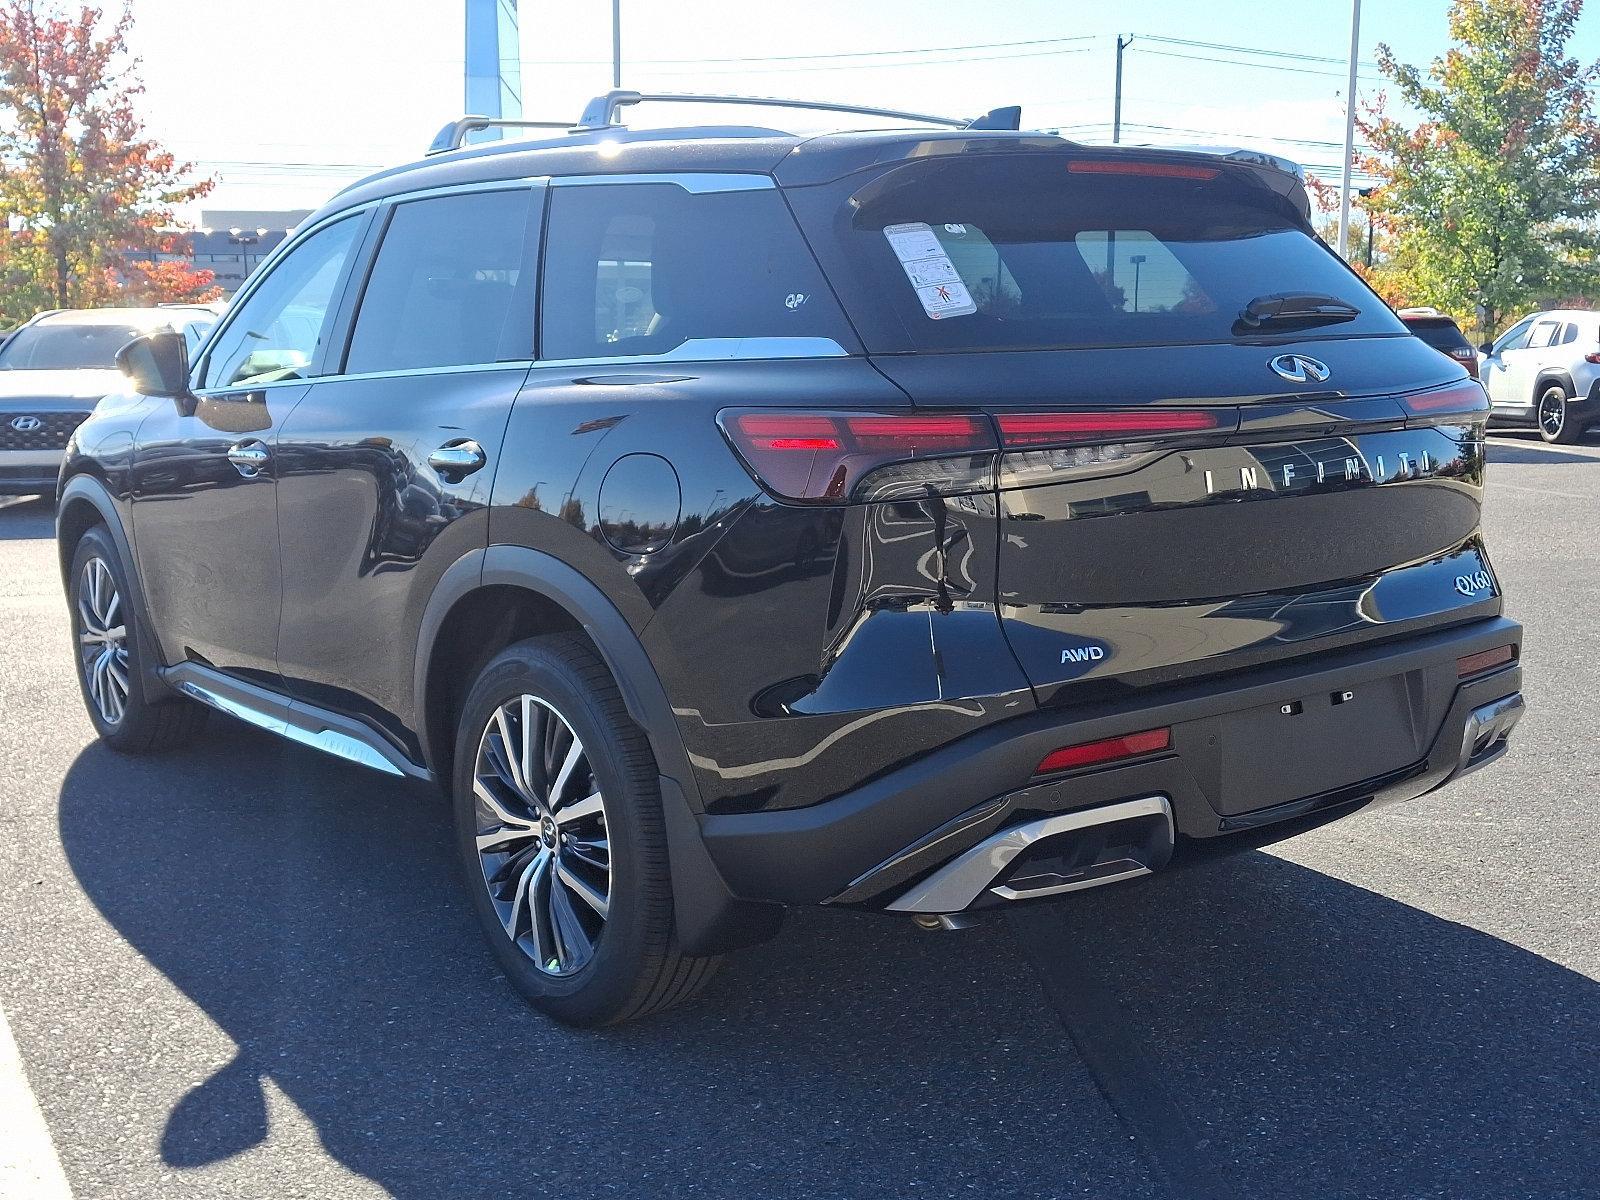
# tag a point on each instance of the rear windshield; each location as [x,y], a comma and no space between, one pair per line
[1019,253]
[1439,332]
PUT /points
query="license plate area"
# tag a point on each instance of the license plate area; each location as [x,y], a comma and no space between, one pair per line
[1308,744]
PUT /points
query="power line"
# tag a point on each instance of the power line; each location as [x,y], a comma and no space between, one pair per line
[756,58]
[876,66]
[1322,58]
[1260,66]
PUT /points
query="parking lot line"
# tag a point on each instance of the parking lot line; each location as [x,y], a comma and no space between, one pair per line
[29,1168]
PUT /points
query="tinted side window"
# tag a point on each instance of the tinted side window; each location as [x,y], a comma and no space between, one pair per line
[1569,334]
[1514,338]
[452,285]
[1542,334]
[643,268]
[277,332]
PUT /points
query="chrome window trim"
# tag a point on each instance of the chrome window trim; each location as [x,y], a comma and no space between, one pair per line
[518,364]
[717,350]
[696,183]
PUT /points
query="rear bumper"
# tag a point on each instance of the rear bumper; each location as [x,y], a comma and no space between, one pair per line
[875,845]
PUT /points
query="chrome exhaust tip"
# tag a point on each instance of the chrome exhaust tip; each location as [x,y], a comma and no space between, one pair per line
[1100,845]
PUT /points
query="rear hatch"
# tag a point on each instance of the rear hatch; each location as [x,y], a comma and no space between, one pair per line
[1217,446]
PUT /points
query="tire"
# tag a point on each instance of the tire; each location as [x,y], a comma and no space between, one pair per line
[108,652]
[1558,426]
[570,883]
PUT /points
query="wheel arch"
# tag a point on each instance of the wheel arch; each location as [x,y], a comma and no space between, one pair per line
[505,593]
[1546,377]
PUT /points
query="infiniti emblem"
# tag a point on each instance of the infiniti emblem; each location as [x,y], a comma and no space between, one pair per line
[25,424]
[1298,368]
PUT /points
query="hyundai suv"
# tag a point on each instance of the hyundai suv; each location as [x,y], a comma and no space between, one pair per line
[53,370]
[1545,371]
[919,520]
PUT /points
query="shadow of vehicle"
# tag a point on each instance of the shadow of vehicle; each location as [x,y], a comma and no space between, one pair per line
[1331,1041]
[1530,450]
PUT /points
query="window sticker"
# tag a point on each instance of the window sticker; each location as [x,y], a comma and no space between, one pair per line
[930,271]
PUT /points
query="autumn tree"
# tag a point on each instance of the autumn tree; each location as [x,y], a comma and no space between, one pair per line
[1490,199]
[87,198]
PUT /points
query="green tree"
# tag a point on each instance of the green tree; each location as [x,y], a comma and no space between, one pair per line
[87,197]
[1490,199]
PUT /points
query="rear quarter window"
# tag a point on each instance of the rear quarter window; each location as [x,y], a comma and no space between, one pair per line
[1053,259]
[644,268]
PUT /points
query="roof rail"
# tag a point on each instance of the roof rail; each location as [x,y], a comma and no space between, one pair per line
[454,135]
[601,112]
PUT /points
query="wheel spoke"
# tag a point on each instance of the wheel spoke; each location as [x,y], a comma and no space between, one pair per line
[582,890]
[572,940]
[596,854]
[590,806]
[501,811]
[510,758]
[520,899]
[564,776]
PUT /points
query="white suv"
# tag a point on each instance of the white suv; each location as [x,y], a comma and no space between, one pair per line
[1545,369]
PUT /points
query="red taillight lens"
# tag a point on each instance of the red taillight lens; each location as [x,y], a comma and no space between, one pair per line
[1159,170]
[1088,754]
[820,457]
[1458,399]
[1484,660]
[1022,430]
[1591,358]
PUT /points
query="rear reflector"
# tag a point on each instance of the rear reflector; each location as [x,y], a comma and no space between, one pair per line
[1018,430]
[1159,170]
[1088,754]
[820,457]
[1458,399]
[1484,660]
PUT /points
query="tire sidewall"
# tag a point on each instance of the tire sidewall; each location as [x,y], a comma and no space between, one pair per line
[1566,433]
[606,982]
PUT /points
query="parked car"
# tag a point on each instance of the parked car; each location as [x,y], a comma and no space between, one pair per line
[921,521]
[55,368]
[1442,333]
[1545,371]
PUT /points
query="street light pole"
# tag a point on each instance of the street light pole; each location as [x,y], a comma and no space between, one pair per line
[1138,260]
[616,43]
[1349,129]
[1116,104]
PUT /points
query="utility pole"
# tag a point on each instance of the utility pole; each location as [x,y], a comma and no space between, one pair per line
[616,43]
[1116,111]
[1349,129]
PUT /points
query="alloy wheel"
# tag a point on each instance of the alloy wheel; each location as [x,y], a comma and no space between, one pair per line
[541,834]
[103,640]
[1552,413]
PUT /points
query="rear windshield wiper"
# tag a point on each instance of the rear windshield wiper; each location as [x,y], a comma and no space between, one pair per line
[1299,308]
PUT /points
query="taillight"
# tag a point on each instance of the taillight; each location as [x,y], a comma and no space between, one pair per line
[1023,430]
[1159,170]
[827,457]
[1464,398]
[1106,750]
[1591,358]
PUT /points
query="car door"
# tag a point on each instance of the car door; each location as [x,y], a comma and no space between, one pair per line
[203,479]
[384,469]
[1523,363]
[1493,369]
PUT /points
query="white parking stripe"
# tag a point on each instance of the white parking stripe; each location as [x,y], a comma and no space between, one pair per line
[29,1168]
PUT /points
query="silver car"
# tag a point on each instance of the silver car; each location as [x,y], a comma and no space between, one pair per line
[1545,371]
[56,367]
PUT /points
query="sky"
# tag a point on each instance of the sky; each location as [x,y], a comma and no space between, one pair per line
[286,101]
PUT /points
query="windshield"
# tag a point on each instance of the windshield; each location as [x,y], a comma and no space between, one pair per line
[66,347]
[1023,253]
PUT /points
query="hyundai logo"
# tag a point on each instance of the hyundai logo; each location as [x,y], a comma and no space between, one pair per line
[1298,368]
[26,424]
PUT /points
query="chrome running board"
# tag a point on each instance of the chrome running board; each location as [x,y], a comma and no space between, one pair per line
[293,719]
[965,878]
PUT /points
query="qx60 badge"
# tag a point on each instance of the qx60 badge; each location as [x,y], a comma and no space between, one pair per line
[1299,368]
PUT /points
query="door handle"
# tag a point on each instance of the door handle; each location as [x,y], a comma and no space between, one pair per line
[456,460]
[249,458]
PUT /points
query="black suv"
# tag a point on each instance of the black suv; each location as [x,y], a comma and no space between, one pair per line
[918,520]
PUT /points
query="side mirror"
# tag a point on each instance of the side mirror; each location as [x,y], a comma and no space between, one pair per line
[1487,348]
[157,363]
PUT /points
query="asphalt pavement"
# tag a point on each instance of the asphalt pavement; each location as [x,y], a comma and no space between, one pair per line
[246,970]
